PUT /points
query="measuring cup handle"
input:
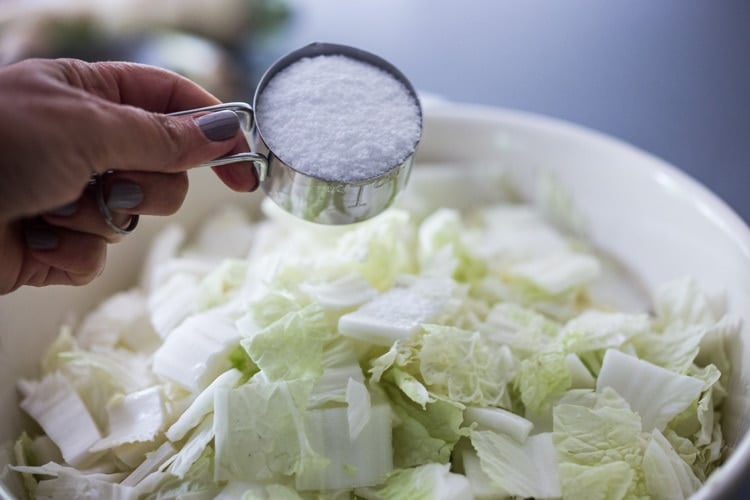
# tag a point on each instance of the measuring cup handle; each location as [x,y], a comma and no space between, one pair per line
[260,163]
[247,119]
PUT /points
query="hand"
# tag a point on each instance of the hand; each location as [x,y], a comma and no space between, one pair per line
[64,120]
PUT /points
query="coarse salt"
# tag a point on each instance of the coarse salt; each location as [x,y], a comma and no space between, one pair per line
[338,119]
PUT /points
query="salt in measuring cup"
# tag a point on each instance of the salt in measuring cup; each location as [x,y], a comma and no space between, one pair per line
[305,192]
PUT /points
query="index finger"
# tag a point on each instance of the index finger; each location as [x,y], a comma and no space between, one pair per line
[147,87]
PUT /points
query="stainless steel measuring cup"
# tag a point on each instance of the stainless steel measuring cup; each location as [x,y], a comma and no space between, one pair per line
[308,197]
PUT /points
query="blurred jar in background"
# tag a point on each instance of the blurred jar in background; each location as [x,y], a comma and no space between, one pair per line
[210,42]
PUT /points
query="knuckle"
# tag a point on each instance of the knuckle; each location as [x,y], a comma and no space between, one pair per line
[178,189]
[73,71]
[172,140]
[94,258]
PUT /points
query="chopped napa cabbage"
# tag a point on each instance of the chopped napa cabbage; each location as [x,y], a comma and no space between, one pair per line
[557,205]
[454,354]
[396,314]
[241,361]
[196,352]
[667,475]
[12,484]
[526,469]
[557,273]
[599,448]
[242,490]
[42,450]
[594,330]
[541,378]
[54,404]
[608,481]
[138,416]
[400,354]
[425,482]
[217,287]
[445,250]
[68,482]
[677,348]
[21,457]
[101,374]
[411,387]
[282,492]
[198,482]
[292,346]
[516,232]
[500,421]
[344,293]
[359,408]
[580,376]
[124,369]
[26,451]
[82,487]
[52,361]
[378,250]
[191,450]
[423,435]
[153,461]
[333,384]
[523,330]
[121,319]
[682,302]
[273,302]
[696,432]
[713,393]
[202,405]
[465,367]
[55,469]
[164,250]
[350,462]
[714,346]
[653,392]
[674,349]
[235,490]
[482,486]
[132,454]
[173,301]
[260,432]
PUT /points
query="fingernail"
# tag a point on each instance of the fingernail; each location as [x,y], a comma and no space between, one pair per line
[39,238]
[219,126]
[65,210]
[124,194]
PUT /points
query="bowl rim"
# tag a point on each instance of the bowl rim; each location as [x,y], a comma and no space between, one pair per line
[706,201]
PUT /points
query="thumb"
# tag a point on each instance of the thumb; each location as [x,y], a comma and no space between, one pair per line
[131,138]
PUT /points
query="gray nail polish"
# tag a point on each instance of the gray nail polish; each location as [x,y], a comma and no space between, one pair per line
[124,194]
[219,126]
[65,210]
[39,238]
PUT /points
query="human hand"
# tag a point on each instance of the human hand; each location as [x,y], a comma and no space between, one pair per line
[64,120]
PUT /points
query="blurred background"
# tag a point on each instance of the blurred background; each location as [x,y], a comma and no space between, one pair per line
[670,77]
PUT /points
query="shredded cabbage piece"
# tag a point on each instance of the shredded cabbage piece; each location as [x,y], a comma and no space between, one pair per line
[432,353]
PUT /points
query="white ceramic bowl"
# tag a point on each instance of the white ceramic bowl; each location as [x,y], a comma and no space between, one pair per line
[650,216]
